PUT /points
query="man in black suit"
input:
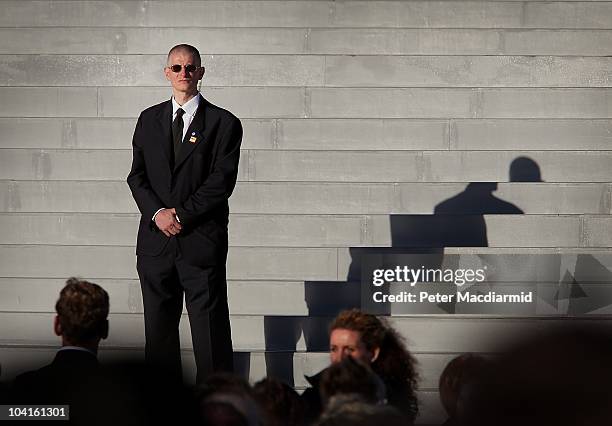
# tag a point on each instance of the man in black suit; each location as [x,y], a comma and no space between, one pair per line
[184,169]
[81,322]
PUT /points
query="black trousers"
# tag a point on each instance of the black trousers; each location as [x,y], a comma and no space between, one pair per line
[164,279]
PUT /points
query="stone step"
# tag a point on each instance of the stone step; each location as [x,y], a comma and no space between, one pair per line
[332,134]
[412,14]
[424,334]
[310,197]
[300,41]
[244,263]
[294,102]
[279,230]
[326,166]
[315,71]
[310,298]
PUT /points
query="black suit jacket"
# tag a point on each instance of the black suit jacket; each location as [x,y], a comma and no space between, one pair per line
[67,379]
[197,183]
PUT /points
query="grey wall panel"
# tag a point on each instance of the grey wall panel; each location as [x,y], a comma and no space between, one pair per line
[131,40]
[385,41]
[435,166]
[325,166]
[454,14]
[460,103]
[102,133]
[315,198]
[313,134]
[278,300]
[160,14]
[459,41]
[427,14]
[467,71]
[48,102]
[313,70]
[597,231]
[335,166]
[244,102]
[568,15]
[40,294]
[48,261]
[79,133]
[334,41]
[295,230]
[545,103]
[422,14]
[147,70]
[69,196]
[97,229]
[36,164]
[494,166]
[557,42]
[526,135]
[309,197]
[450,336]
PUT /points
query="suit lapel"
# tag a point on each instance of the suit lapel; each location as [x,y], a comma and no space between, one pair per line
[165,135]
[197,133]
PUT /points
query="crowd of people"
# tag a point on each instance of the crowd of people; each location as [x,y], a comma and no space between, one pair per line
[560,378]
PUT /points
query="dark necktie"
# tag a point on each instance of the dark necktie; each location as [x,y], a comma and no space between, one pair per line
[177,132]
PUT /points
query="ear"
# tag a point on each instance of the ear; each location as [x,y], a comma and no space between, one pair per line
[375,354]
[104,331]
[57,327]
[167,72]
[201,73]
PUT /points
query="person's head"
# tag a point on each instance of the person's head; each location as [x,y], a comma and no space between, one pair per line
[280,402]
[459,375]
[352,376]
[184,69]
[82,312]
[221,390]
[352,410]
[371,340]
[356,334]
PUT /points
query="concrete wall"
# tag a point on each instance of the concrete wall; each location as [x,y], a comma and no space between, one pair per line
[353,112]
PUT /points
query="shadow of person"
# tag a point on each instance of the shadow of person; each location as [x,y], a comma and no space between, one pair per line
[456,222]
[524,169]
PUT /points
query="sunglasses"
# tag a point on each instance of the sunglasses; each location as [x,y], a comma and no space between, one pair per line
[188,68]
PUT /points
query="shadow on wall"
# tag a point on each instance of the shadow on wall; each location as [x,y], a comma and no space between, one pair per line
[456,222]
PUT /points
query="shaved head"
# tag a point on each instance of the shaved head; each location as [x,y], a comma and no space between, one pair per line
[186,48]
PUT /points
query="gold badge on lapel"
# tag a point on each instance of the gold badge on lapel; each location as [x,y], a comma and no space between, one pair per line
[193,138]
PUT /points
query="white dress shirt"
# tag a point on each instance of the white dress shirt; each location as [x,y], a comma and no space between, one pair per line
[190,107]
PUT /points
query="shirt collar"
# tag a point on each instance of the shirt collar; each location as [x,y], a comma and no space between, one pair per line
[190,107]
[76,348]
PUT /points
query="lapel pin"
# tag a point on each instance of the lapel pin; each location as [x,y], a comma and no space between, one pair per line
[193,138]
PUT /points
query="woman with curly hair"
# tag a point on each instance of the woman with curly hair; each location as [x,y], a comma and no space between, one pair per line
[371,340]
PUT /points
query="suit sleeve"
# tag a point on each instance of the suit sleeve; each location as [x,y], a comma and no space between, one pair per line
[148,202]
[220,183]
